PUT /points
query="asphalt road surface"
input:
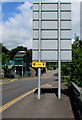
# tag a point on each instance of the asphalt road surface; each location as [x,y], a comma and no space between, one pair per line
[16,88]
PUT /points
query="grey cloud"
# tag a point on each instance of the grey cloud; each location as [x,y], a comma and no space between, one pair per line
[75,18]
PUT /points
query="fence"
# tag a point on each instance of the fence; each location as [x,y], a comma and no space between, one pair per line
[75,95]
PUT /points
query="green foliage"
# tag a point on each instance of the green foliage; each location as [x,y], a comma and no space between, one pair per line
[15,50]
[5,58]
[0,48]
[5,55]
[29,54]
[74,69]
[5,50]
[9,55]
[51,65]
[76,64]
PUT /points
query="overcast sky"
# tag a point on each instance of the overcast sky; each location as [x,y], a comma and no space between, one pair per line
[17,23]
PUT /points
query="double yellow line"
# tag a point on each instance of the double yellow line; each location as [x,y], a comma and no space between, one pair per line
[2,108]
[8,81]
[15,100]
[1,83]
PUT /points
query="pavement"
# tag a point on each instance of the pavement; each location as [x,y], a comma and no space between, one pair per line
[49,106]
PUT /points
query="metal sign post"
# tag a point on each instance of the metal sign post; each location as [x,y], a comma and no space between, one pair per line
[51,35]
[39,51]
[59,54]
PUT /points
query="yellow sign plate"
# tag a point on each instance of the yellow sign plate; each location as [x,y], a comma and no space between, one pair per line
[38,64]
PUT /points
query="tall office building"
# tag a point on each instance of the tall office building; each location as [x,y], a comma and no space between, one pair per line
[81,20]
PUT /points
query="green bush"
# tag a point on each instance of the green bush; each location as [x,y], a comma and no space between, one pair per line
[74,69]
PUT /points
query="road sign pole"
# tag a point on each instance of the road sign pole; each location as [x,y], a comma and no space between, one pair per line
[59,54]
[54,36]
[39,74]
[39,52]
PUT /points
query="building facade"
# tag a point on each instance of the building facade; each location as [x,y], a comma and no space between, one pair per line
[21,64]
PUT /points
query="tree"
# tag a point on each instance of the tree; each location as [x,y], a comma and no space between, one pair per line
[5,54]
[5,50]
[5,58]
[76,64]
[0,48]
[74,69]
[15,50]
[51,65]
[29,54]
[77,41]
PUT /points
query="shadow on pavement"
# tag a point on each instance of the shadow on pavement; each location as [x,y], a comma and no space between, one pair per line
[52,90]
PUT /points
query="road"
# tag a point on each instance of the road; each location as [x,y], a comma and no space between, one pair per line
[16,88]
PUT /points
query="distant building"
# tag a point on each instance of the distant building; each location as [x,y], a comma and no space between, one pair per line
[21,64]
[10,64]
[81,20]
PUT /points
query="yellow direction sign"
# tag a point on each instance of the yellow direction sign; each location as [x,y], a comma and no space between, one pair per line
[38,64]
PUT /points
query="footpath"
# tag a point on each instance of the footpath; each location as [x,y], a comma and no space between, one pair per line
[49,106]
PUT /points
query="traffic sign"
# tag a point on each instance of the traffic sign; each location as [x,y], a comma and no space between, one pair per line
[46,28]
[38,64]
[51,35]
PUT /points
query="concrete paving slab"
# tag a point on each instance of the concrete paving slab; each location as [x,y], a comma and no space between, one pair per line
[47,107]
